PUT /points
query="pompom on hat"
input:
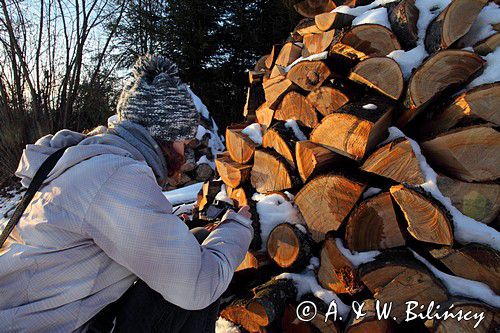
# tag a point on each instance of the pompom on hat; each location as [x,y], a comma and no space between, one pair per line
[159,101]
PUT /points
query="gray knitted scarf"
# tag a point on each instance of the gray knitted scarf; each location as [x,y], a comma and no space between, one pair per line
[139,138]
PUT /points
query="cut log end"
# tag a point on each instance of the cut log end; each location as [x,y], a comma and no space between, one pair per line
[289,247]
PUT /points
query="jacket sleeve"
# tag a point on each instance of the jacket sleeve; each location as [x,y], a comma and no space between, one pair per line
[130,220]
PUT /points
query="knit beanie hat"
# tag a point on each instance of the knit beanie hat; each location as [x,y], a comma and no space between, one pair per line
[159,101]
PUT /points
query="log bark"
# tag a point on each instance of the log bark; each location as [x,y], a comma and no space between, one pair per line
[239,146]
[373,225]
[232,174]
[403,17]
[355,129]
[282,139]
[296,106]
[478,201]
[260,65]
[255,97]
[317,43]
[395,160]
[313,159]
[328,21]
[325,201]
[489,324]
[311,8]
[309,75]
[331,97]
[469,153]
[237,313]
[395,276]
[306,26]
[275,89]
[289,248]
[474,262]
[203,172]
[451,24]
[271,173]
[265,116]
[487,45]
[479,103]
[380,73]
[369,322]
[443,71]
[371,39]
[428,221]
[254,260]
[336,273]
[270,300]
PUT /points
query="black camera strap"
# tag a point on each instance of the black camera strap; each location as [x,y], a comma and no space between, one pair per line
[34,186]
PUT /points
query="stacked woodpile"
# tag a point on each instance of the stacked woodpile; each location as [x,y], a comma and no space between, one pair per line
[329,104]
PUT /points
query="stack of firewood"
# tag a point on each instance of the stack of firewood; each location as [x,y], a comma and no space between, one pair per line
[325,102]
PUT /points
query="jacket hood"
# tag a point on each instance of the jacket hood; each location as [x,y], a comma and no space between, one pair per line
[82,148]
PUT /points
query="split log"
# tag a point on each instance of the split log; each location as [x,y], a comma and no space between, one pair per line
[370,322]
[451,24]
[428,221]
[355,129]
[240,195]
[255,97]
[328,21]
[295,106]
[306,26]
[478,201]
[254,260]
[373,40]
[275,89]
[343,58]
[469,153]
[288,54]
[237,313]
[309,75]
[270,300]
[317,43]
[395,160]
[395,276]
[313,159]
[203,172]
[256,77]
[277,71]
[403,17]
[239,146]
[442,71]
[373,225]
[336,273]
[489,323]
[311,8]
[260,65]
[264,116]
[329,98]
[479,103]
[380,73]
[474,262]
[487,45]
[282,139]
[232,174]
[271,60]
[289,247]
[207,193]
[325,201]
[271,173]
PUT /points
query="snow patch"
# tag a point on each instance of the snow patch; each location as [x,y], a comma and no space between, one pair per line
[223,325]
[306,282]
[409,60]
[183,195]
[360,10]
[204,160]
[273,209]
[222,195]
[292,124]
[370,192]
[491,71]
[301,228]
[254,132]
[373,16]
[481,28]
[313,57]
[370,107]
[458,286]
[356,258]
